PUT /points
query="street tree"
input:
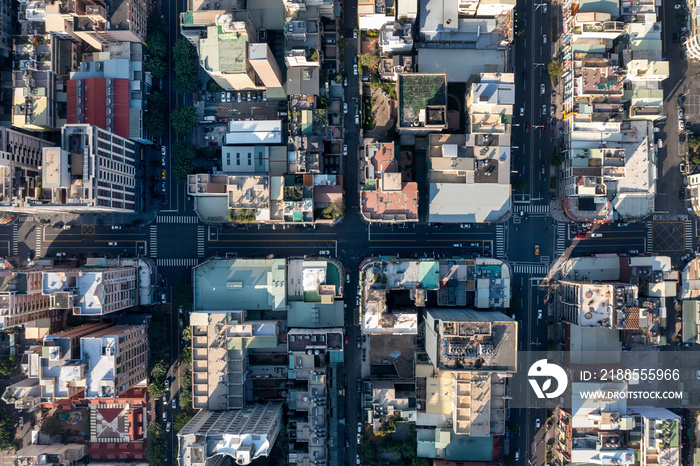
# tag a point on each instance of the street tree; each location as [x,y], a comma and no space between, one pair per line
[184,119]
[184,155]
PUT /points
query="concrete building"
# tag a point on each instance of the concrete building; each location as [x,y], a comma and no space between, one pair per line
[67,455]
[265,65]
[599,304]
[97,292]
[694,193]
[469,176]
[242,435]
[373,14]
[110,91]
[20,158]
[693,42]
[22,300]
[390,68]
[254,132]
[92,171]
[221,341]
[661,432]
[422,101]
[396,38]
[384,196]
[222,39]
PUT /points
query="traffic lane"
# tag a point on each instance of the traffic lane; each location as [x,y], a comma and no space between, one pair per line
[609,244]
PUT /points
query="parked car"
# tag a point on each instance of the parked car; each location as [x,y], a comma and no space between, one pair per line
[167,381]
[544,110]
[345,149]
[537,421]
[681,125]
[223,96]
[359,427]
[238,97]
[264,95]
[249,97]
[174,403]
[542,89]
[680,112]
[354,33]
[162,150]
[165,416]
[167,427]
[357,119]
[345,108]
[163,174]
[552,111]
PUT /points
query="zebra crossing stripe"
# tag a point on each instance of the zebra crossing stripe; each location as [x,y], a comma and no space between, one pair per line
[176,219]
[200,241]
[500,240]
[531,209]
[531,269]
[650,237]
[39,234]
[15,243]
[177,262]
[688,235]
[561,238]
[153,243]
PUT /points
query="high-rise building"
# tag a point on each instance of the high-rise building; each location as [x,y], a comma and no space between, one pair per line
[93,170]
[243,435]
[264,64]
[20,159]
[22,300]
[109,91]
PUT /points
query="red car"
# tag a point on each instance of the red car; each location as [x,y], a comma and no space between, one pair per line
[213,143]
[580,236]
[347,340]
[543,125]
[527,128]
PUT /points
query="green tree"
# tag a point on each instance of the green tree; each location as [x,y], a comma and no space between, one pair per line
[157,44]
[213,86]
[155,445]
[184,155]
[154,121]
[555,159]
[693,141]
[185,55]
[182,418]
[7,365]
[159,370]
[555,69]
[156,66]
[184,119]
[7,430]
[369,60]
[51,425]
[156,389]
[312,55]
[518,184]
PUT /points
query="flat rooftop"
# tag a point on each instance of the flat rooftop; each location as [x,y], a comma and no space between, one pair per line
[421,96]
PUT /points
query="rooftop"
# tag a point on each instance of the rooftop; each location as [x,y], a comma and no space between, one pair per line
[422,100]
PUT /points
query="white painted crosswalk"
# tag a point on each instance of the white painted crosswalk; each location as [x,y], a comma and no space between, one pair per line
[200,241]
[650,237]
[38,242]
[688,235]
[531,269]
[153,242]
[15,243]
[562,230]
[531,208]
[177,262]
[500,240]
[176,219]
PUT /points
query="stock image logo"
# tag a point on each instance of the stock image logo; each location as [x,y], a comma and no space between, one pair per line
[543,369]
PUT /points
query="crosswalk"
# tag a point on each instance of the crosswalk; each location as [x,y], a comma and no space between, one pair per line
[688,235]
[650,237]
[15,243]
[531,269]
[500,240]
[153,243]
[200,241]
[177,262]
[176,219]
[39,241]
[531,208]
[562,230]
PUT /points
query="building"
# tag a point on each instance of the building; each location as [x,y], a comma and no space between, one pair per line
[254,132]
[693,42]
[384,196]
[110,91]
[693,191]
[223,40]
[390,68]
[58,453]
[373,14]
[243,435]
[92,171]
[422,101]
[599,304]
[20,158]
[22,300]
[98,291]
[221,342]
[661,436]
[470,354]
[264,64]
[469,177]
[396,38]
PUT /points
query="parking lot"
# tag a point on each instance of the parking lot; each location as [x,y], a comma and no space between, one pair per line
[258,110]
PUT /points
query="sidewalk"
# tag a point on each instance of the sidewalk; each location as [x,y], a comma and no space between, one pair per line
[95,218]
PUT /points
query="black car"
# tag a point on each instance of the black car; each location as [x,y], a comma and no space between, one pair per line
[524,76]
[675,38]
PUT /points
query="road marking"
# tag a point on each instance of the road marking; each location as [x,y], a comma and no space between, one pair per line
[688,235]
[15,242]
[650,237]
[531,209]
[531,269]
[153,244]
[37,243]
[87,229]
[177,219]
[177,262]
[200,241]
[562,231]
[500,240]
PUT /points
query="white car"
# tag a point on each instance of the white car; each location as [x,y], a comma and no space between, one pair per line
[345,149]
[162,150]
[165,416]
[345,82]
[680,113]
[678,6]
[544,110]
[542,89]
[544,39]
[539,313]
[223,96]
[357,119]
[354,69]
[359,427]
[544,8]
[357,301]
[167,384]
[552,111]
[116,227]
[167,427]
[112,243]
[174,403]
[522,111]
[228,97]
[345,108]
[354,34]
[537,423]
[681,125]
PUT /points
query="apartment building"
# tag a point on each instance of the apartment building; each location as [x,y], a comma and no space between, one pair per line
[396,38]
[693,42]
[68,455]
[20,159]
[242,435]
[265,65]
[93,170]
[109,91]
[384,195]
[99,291]
[222,39]
[22,300]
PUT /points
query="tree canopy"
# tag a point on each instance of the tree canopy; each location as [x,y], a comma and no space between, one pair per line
[184,119]
[185,56]
[184,154]
[154,120]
